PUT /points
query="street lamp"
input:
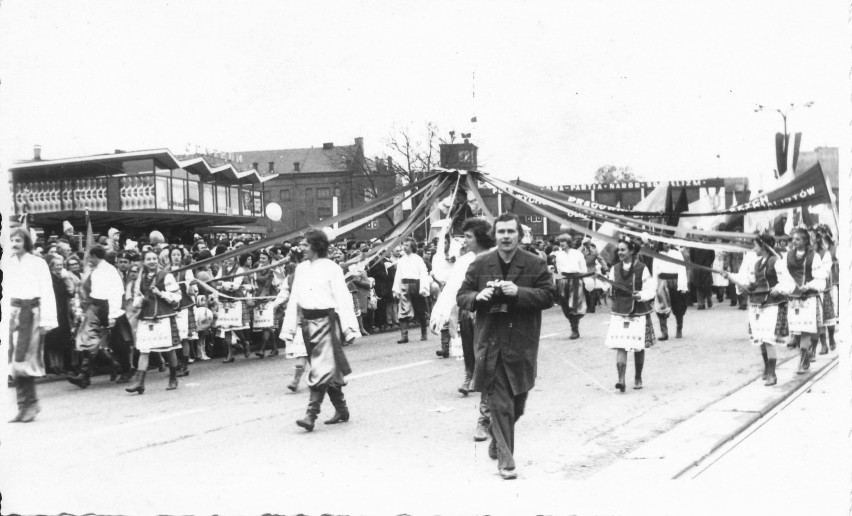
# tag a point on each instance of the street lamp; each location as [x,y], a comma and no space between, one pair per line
[782,140]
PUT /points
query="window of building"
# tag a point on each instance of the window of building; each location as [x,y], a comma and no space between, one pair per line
[323,193]
[323,213]
[373,224]
[309,193]
[271,167]
[337,191]
[163,193]
[192,195]
[533,218]
[284,195]
[295,166]
[368,195]
[178,194]
[208,202]
[234,206]
[221,199]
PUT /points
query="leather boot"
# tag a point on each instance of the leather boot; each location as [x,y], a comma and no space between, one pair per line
[314,404]
[831,343]
[139,385]
[639,364]
[404,334]
[445,344]
[424,334]
[664,326]
[173,381]
[22,400]
[804,361]
[31,406]
[765,361]
[341,411]
[812,351]
[771,379]
[481,432]
[82,379]
[465,387]
[575,327]
[298,370]
[622,369]
[679,334]
[183,368]
[823,349]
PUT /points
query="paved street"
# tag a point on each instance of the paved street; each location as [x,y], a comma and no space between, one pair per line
[227,438]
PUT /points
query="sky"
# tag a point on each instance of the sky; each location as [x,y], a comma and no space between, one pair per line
[559,89]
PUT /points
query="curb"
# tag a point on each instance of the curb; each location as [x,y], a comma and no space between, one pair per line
[685,446]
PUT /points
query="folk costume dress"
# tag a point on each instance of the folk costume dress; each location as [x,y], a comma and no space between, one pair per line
[157,328]
[232,314]
[263,315]
[630,326]
[101,298]
[320,299]
[569,289]
[829,298]
[185,315]
[767,315]
[805,309]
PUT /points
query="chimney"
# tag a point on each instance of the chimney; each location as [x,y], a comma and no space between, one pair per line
[37,152]
[359,142]
[327,146]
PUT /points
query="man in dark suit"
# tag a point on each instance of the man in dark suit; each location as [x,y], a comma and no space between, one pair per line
[508,289]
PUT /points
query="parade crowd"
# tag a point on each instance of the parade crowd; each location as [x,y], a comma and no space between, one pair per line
[129,308]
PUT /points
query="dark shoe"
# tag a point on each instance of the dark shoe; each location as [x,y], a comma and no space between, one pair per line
[246,349]
[771,379]
[709,303]
[492,449]
[637,383]
[307,422]
[664,336]
[574,335]
[124,378]
[620,384]
[173,382]
[679,334]
[465,387]
[508,474]
[139,386]
[481,434]
[403,340]
[443,354]
[701,307]
[423,337]
[81,380]
[340,416]
[274,352]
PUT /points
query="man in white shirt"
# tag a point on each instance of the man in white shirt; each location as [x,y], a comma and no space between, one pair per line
[410,288]
[102,293]
[570,267]
[28,284]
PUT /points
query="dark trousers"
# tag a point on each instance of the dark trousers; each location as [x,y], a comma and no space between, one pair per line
[380,314]
[25,391]
[466,326]
[506,408]
[120,342]
[418,303]
[705,294]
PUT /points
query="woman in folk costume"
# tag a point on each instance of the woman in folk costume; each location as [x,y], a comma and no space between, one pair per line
[321,300]
[570,268]
[829,314]
[804,285]
[233,314]
[264,309]
[834,287]
[672,290]
[295,349]
[630,327]
[185,316]
[157,295]
[33,313]
[767,306]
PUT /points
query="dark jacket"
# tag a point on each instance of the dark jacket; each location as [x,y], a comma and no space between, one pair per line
[512,336]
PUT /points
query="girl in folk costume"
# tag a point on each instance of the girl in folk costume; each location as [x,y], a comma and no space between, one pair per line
[157,294]
[829,306]
[233,315]
[321,300]
[570,269]
[834,281]
[295,349]
[185,316]
[630,327]
[767,306]
[33,313]
[804,286]
[672,290]
[264,309]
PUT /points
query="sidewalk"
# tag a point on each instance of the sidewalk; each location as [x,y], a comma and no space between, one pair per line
[674,453]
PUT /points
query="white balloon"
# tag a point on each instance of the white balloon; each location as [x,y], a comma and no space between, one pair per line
[273,211]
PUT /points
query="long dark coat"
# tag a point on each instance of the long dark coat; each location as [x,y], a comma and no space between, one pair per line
[512,336]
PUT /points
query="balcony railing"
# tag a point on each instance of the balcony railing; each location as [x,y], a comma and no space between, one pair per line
[62,195]
[137,193]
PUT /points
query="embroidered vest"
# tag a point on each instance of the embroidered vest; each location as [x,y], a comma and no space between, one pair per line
[185,300]
[802,272]
[153,306]
[622,300]
[766,278]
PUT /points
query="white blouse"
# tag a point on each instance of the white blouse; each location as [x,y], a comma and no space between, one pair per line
[664,267]
[28,277]
[319,285]
[411,266]
[569,261]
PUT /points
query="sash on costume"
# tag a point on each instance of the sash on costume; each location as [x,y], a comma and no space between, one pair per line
[264,315]
[626,332]
[804,315]
[230,314]
[762,321]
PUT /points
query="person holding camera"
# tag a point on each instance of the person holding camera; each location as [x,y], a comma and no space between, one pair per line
[508,290]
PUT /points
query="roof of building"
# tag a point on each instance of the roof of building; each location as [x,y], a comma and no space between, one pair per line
[197,165]
[311,161]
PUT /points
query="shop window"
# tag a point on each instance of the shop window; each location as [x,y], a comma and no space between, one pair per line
[323,193]
[284,195]
[323,213]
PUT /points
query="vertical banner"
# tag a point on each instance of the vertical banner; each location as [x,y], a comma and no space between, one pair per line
[334,210]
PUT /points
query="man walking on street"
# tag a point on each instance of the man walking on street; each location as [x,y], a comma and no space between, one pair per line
[507,289]
[410,287]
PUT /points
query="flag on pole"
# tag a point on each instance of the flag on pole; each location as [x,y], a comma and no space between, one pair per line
[89,235]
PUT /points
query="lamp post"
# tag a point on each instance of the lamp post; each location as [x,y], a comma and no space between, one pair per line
[786,111]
